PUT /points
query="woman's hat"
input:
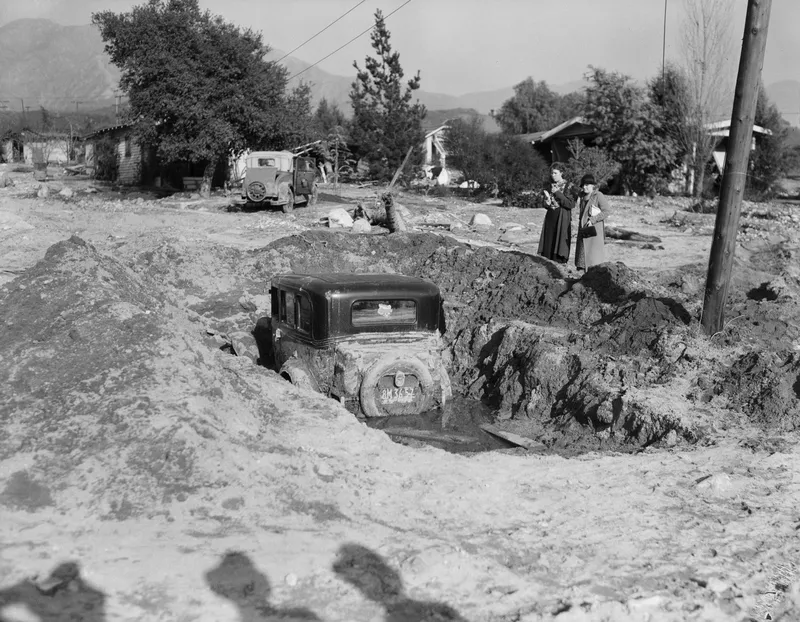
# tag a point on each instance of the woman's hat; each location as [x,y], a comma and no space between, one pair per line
[587,179]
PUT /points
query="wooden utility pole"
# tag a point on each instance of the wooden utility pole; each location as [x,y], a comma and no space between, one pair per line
[723,245]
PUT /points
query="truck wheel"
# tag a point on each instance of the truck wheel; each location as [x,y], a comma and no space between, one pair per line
[398,386]
[314,196]
[289,206]
[256,192]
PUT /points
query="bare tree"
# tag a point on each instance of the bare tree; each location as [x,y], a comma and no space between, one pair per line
[709,65]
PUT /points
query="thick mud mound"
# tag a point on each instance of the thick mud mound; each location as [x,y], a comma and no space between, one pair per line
[602,361]
[560,354]
[112,400]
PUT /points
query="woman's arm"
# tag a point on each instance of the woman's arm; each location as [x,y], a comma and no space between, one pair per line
[605,208]
[564,202]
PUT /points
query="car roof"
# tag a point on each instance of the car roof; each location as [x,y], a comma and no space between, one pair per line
[364,284]
[267,154]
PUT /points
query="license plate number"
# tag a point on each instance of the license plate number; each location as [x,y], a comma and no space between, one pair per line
[398,395]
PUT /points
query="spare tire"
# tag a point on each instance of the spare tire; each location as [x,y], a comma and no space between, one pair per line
[396,386]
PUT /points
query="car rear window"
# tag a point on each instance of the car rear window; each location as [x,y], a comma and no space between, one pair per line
[378,312]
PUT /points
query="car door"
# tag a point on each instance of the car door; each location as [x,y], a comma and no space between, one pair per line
[305,173]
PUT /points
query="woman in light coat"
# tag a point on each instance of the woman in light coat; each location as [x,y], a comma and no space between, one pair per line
[593,209]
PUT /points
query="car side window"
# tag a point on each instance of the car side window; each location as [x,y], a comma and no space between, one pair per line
[303,313]
[377,312]
[287,309]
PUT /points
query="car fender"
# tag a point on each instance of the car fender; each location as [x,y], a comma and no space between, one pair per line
[297,372]
[283,191]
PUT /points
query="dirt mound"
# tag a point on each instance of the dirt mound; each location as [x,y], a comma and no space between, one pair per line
[112,403]
[765,386]
[535,345]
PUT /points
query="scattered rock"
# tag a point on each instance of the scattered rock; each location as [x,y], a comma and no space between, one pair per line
[66,193]
[480,220]
[517,236]
[361,225]
[43,191]
[716,484]
[247,304]
[339,218]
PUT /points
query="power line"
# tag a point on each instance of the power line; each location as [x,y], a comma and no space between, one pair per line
[348,43]
[320,32]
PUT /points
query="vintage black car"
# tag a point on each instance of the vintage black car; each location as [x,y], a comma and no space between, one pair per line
[279,178]
[372,341]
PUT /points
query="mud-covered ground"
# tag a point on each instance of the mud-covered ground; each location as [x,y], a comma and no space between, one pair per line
[151,470]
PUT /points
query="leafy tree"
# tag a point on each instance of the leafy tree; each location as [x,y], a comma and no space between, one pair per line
[294,122]
[630,131]
[464,141]
[516,167]
[385,122]
[585,160]
[46,119]
[534,108]
[198,87]
[769,161]
[328,117]
[708,65]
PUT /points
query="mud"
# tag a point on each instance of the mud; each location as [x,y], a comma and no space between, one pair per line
[134,441]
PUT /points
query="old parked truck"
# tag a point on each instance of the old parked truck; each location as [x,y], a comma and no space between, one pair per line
[371,341]
[279,178]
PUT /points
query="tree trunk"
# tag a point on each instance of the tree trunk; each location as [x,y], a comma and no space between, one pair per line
[701,180]
[208,173]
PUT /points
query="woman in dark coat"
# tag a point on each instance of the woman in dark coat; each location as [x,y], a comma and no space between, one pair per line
[554,242]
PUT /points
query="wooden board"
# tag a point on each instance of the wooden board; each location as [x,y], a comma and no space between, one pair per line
[429,435]
[515,439]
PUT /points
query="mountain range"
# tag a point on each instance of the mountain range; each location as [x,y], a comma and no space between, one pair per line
[60,67]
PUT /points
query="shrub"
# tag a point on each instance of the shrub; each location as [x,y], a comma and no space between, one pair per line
[585,160]
[106,160]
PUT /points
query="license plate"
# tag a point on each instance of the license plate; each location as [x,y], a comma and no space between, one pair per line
[398,395]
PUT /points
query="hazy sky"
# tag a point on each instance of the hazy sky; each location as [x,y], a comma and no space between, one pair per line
[462,46]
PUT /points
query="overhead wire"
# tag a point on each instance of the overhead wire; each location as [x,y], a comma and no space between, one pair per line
[361,34]
[320,32]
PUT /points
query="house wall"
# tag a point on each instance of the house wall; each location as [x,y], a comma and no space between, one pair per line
[434,150]
[129,156]
[55,150]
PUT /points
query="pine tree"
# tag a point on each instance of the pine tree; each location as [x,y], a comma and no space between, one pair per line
[385,122]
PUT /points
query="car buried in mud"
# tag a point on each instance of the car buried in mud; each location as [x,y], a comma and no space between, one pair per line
[279,178]
[371,341]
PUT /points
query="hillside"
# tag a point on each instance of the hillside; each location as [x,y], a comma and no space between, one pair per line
[65,67]
[46,64]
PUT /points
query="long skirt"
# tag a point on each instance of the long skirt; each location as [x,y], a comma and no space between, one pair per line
[591,251]
[554,242]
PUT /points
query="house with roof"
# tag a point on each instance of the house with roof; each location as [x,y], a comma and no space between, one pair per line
[435,154]
[722,130]
[553,144]
[138,165]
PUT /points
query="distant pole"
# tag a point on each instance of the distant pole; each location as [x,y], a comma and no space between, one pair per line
[723,245]
[664,50]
